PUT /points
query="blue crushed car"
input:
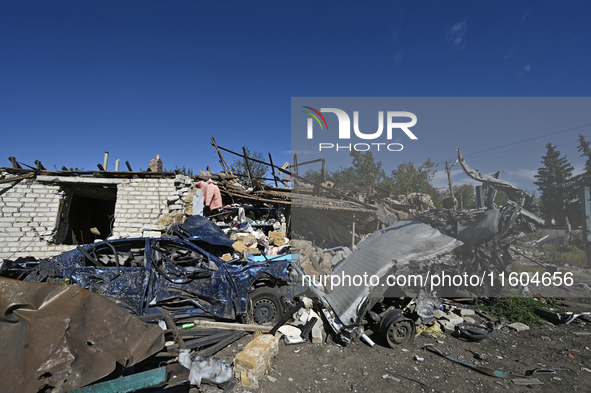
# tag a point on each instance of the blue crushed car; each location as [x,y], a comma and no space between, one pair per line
[153,275]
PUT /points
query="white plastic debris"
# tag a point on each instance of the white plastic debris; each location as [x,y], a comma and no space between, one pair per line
[289,330]
[205,368]
[308,303]
[293,340]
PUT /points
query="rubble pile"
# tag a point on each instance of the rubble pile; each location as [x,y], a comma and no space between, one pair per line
[279,263]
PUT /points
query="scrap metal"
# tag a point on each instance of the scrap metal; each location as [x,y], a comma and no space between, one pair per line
[58,337]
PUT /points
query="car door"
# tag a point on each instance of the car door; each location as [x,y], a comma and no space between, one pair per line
[189,280]
[116,270]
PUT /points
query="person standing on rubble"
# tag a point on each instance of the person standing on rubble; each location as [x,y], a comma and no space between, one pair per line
[213,197]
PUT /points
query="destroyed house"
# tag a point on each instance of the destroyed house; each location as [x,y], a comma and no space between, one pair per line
[44,213]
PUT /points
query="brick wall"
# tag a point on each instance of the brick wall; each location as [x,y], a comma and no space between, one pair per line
[28,218]
[29,211]
[143,202]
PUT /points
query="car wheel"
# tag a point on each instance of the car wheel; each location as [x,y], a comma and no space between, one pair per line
[396,329]
[264,306]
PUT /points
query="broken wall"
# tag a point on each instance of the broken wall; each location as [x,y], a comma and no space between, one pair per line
[32,210]
[29,212]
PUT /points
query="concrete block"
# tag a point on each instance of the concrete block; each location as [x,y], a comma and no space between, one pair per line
[454,319]
[465,312]
[438,314]
[253,363]
[446,326]
[519,327]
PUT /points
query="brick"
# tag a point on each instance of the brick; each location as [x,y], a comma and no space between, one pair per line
[255,360]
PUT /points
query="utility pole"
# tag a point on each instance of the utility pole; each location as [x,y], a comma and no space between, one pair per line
[451,188]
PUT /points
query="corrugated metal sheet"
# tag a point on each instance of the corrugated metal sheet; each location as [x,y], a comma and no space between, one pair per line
[396,245]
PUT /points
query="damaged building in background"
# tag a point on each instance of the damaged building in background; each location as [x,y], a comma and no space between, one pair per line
[44,213]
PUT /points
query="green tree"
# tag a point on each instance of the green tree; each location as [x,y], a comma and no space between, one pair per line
[466,196]
[554,183]
[312,174]
[501,198]
[365,171]
[181,170]
[257,170]
[584,179]
[414,179]
[408,176]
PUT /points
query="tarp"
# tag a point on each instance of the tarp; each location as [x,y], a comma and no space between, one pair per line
[200,228]
[57,337]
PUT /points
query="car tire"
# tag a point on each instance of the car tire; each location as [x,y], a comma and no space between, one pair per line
[264,306]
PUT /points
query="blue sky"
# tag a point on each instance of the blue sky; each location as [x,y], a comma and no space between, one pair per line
[140,78]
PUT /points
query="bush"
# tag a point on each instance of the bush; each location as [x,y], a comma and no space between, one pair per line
[518,309]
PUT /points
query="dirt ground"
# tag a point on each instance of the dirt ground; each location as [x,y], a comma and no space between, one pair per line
[359,368]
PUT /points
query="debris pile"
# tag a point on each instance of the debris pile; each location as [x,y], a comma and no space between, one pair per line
[282,263]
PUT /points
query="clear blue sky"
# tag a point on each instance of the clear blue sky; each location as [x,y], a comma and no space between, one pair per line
[140,78]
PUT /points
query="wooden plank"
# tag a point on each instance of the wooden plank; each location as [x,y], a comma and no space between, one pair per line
[17,178]
[232,326]
[248,196]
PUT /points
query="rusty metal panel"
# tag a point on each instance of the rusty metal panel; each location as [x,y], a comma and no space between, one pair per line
[58,337]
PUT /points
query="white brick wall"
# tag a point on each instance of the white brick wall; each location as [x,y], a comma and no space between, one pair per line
[28,216]
[29,212]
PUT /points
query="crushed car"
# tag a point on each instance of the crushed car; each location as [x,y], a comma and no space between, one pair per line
[153,275]
[459,243]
